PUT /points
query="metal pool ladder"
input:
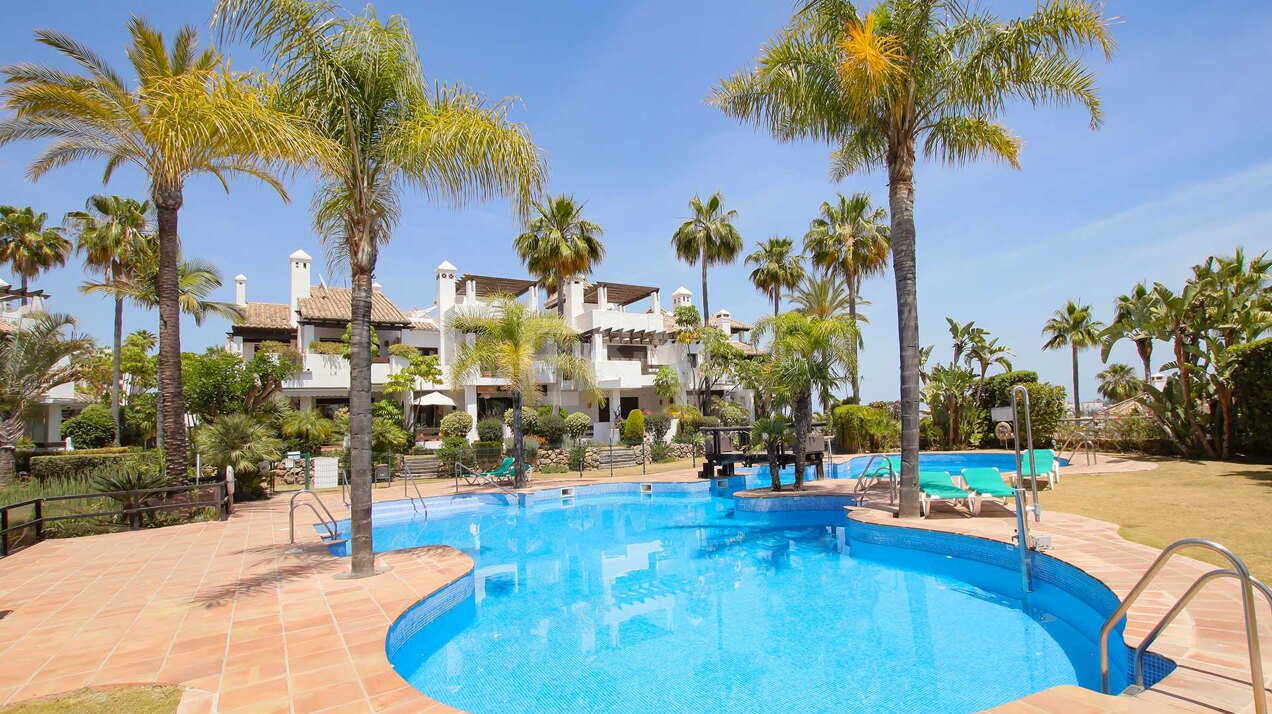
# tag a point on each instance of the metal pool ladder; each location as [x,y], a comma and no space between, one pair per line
[1248,585]
[330,524]
[866,480]
[1024,542]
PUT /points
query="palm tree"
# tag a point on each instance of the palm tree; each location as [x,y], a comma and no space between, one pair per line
[822,296]
[511,341]
[985,352]
[42,354]
[1073,326]
[964,336]
[772,433]
[359,82]
[239,441]
[708,238]
[28,246]
[1118,382]
[111,232]
[849,237]
[911,76]
[185,114]
[1134,318]
[559,244]
[777,268]
[809,356]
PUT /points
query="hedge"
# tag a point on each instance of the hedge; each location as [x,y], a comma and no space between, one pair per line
[22,457]
[1252,376]
[93,428]
[74,464]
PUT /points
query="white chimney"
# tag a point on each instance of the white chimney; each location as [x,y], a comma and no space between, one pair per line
[240,290]
[655,303]
[602,297]
[445,289]
[301,262]
[574,299]
[682,297]
[724,322]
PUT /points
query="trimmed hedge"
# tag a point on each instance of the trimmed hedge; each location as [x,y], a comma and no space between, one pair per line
[22,457]
[76,464]
[93,428]
[1253,379]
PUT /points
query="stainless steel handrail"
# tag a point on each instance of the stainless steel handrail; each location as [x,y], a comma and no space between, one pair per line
[869,479]
[1247,606]
[333,528]
[1022,521]
[418,496]
[1179,606]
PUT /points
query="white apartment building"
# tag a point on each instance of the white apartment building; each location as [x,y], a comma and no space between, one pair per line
[61,403]
[623,330]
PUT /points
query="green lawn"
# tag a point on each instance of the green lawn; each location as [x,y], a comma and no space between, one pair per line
[1230,503]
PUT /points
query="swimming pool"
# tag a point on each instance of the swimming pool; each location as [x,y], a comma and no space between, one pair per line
[621,601]
[951,462]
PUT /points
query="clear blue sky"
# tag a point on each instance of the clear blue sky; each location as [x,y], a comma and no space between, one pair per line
[614,93]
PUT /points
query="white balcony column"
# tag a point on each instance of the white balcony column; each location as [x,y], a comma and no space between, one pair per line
[54,424]
[613,406]
[602,297]
[470,406]
[598,349]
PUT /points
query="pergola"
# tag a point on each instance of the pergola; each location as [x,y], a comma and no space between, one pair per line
[8,292]
[487,285]
[620,294]
[615,336]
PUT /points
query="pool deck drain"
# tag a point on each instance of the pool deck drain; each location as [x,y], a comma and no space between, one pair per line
[223,609]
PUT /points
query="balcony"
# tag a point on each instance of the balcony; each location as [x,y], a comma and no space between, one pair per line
[331,373]
[616,321]
[623,374]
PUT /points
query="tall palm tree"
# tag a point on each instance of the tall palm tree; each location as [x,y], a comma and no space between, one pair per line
[358,81]
[111,232]
[559,244]
[809,356]
[822,296]
[1135,319]
[963,337]
[28,246]
[1075,327]
[708,238]
[777,268]
[183,114]
[1118,382]
[910,76]
[850,237]
[44,353]
[509,341]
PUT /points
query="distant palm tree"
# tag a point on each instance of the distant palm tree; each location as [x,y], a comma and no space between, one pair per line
[1135,317]
[385,129]
[508,342]
[42,354]
[772,433]
[850,237]
[822,296]
[239,441]
[28,246]
[911,78]
[184,114]
[777,268]
[559,244]
[963,337]
[1073,326]
[984,353]
[111,232]
[708,238]
[309,427]
[1118,382]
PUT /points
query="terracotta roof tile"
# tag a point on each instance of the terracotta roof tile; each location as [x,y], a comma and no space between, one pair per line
[265,316]
[332,305]
[7,328]
[737,325]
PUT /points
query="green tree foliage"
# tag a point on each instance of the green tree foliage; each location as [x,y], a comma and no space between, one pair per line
[1118,382]
[772,433]
[456,425]
[219,382]
[861,429]
[559,244]
[307,429]
[708,238]
[657,426]
[577,424]
[490,429]
[1075,327]
[242,442]
[667,382]
[634,427]
[92,428]
[778,267]
[1252,370]
[27,246]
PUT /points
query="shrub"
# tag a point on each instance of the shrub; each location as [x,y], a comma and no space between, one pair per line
[634,427]
[577,424]
[529,421]
[490,429]
[23,456]
[455,450]
[73,464]
[136,474]
[859,428]
[657,426]
[578,456]
[660,452]
[93,427]
[456,425]
[732,414]
[929,433]
[552,429]
[996,390]
[326,348]
[531,446]
[1253,377]
[489,452]
[554,469]
[690,422]
[710,421]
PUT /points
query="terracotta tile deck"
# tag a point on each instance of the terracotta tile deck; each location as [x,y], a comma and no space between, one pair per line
[250,624]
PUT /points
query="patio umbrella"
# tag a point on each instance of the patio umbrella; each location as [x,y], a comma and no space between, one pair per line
[434,399]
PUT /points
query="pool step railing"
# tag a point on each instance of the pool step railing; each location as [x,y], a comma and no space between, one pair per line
[869,479]
[1249,584]
[330,524]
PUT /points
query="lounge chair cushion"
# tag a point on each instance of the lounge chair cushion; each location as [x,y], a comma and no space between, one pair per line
[986,481]
[1044,460]
[938,484]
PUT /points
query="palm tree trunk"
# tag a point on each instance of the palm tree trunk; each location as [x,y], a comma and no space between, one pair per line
[518,443]
[115,368]
[25,299]
[560,297]
[777,301]
[168,202]
[1077,404]
[775,464]
[803,424]
[1146,355]
[706,310]
[901,203]
[363,561]
[852,314]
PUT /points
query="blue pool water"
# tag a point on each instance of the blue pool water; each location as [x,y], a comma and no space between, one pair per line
[667,603]
[953,463]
